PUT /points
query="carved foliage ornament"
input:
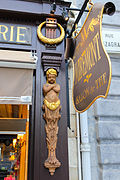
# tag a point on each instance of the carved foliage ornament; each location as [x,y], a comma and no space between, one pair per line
[51,107]
[49,40]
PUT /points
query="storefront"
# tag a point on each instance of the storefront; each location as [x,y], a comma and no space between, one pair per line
[24,60]
[14,134]
[16,80]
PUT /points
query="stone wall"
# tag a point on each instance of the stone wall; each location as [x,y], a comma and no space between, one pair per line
[107,114]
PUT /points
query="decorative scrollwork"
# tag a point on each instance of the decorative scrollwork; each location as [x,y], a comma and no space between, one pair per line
[48,40]
[87,78]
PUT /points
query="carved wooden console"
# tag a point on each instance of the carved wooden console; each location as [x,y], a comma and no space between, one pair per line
[51,108]
[51,60]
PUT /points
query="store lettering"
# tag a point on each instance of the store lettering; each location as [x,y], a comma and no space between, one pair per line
[101,81]
[15,34]
[88,59]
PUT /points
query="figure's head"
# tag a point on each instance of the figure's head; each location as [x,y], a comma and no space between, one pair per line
[51,76]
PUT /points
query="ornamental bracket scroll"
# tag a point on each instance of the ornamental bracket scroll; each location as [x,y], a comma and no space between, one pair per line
[51,108]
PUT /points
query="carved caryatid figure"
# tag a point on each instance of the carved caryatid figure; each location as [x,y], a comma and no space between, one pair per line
[52,108]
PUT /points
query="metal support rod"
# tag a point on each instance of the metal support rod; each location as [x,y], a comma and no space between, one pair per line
[76,9]
[79,16]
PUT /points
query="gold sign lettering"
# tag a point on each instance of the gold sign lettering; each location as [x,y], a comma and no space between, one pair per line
[88,59]
[3,31]
[20,35]
[101,81]
[13,33]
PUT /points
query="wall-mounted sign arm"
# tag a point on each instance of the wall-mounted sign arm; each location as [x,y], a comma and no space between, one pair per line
[79,16]
[109,8]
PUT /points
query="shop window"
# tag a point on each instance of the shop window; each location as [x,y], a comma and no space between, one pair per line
[14,136]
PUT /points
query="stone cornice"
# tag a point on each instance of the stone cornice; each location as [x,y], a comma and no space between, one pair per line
[60,2]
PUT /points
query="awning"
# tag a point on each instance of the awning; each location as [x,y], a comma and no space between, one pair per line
[16,77]
[16,56]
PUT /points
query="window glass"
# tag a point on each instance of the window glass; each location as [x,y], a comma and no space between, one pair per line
[14,142]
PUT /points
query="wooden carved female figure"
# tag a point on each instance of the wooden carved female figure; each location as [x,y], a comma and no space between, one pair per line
[52,108]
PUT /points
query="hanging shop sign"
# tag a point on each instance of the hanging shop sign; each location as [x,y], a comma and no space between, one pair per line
[15,34]
[111,39]
[92,66]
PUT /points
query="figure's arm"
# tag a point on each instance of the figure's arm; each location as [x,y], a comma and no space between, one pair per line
[47,87]
[57,88]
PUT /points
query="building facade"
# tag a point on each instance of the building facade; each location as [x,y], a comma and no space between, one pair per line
[24,123]
[33,118]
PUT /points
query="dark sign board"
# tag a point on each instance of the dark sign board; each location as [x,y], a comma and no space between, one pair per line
[15,34]
[92,66]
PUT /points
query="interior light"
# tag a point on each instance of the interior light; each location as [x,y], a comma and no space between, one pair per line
[20,136]
[14,142]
